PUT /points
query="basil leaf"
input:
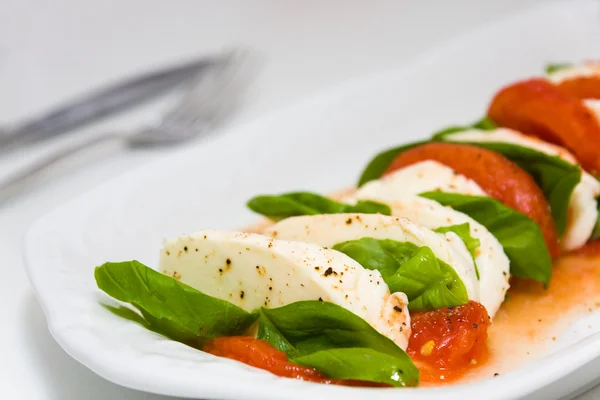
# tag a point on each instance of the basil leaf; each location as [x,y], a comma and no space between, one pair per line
[520,236]
[380,163]
[552,68]
[316,333]
[556,177]
[305,203]
[362,364]
[269,332]
[464,232]
[385,256]
[311,326]
[171,307]
[428,282]
[484,124]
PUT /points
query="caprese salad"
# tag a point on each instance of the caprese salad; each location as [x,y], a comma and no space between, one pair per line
[397,281]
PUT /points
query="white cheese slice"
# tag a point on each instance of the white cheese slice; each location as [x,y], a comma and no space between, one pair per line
[251,271]
[330,229]
[505,135]
[418,178]
[580,71]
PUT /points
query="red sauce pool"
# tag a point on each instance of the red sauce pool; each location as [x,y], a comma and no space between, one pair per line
[532,318]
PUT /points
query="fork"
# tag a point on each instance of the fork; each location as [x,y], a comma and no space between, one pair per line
[211,98]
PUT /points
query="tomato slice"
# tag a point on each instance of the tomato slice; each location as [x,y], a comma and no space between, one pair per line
[498,176]
[587,87]
[261,354]
[446,343]
[539,108]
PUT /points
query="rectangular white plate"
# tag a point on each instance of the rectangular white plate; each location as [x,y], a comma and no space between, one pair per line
[320,145]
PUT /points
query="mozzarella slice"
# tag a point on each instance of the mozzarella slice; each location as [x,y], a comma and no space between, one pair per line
[492,263]
[583,211]
[330,229]
[505,135]
[581,71]
[418,178]
[251,271]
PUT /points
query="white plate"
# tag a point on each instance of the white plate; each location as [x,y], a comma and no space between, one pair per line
[320,145]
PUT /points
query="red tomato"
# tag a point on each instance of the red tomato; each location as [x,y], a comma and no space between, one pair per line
[587,87]
[445,343]
[261,354]
[539,108]
[498,176]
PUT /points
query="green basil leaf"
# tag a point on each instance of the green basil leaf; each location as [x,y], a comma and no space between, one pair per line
[363,364]
[315,333]
[484,124]
[385,256]
[305,203]
[520,236]
[428,282]
[311,326]
[171,307]
[269,332]
[380,163]
[552,68]
[556,177]
[464,232]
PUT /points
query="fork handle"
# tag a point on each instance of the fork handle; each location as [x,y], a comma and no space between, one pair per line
[19,179]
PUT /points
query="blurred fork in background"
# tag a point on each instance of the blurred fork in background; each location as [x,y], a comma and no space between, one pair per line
[206,103]
[109,100]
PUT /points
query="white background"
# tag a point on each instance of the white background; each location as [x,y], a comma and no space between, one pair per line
[52,50]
